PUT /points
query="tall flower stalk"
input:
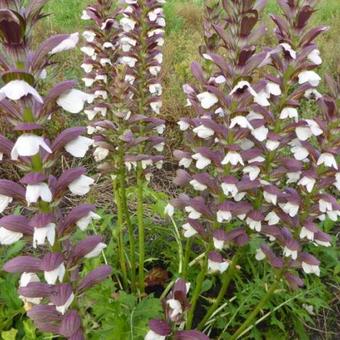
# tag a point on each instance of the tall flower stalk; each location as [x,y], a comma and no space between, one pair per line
[125,138]
[255,167]
[51,281]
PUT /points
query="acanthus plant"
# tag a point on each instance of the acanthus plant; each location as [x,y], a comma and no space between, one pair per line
[123,61]
[254,165]
[51,282]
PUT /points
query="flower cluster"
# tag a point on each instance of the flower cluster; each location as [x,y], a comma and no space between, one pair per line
[258,168]
[175,306]
[51,281]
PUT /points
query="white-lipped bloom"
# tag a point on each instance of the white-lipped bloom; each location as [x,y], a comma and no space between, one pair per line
[16,89]
[203,132]
[260,133]
[193,214]
[127,24]
[89,51]
[290,208]
[310,77]
[73,101]
[305,132]
[201,161]
[314,57]
[52,276]
[229,189]
[254,225]
[223,215]
[151,335]
[307,182]
[4,202]
[96,251]
[84,222]
[328,160]
[36,191]
[217,266]
[8,237]
[270,198]
[40,235]
[87,67]
[260,255]
[289,112]
[306,233]
[28,145]
[169,210]
[290,253]
[252,171]
[188,230]
[207,99]
[62,309]
[287,48]
[81,186]
[89,36]
[175,306]
[272,218]
[79,146]
[156,107]
[197,185]
[100,153]
[233,158]
[183,126]
[241,121]
[310,269]
[25,280]
[67,44]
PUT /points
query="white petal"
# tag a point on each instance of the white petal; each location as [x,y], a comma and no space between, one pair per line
[79,146]
[207,99]
[4,202]
[96,251]
[36,191]
[8,237]
[73,101]
[310,77]
[62,309]
[83,223]
[52,276]
[81,186]
[16,89]
[67,44]
[41,234]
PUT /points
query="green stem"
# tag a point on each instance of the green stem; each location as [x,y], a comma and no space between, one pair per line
[141,231]
[125,212]
[197,292]
[186,260]
[120,239]
[226,279]
[257,309]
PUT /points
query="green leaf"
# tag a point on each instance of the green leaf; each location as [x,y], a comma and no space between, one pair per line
[9,335]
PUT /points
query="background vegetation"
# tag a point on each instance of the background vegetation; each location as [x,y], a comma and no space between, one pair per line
[311,313]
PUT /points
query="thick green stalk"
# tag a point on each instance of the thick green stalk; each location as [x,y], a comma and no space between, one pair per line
[197,292]
[141,231]
[120,240]
[125,212]
[187,253]
[257,309]
[226,279]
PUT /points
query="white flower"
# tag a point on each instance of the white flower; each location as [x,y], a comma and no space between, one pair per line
[159,58]
[169,210]
[189,231]
[88,81]
[108,44]
[272,218]
[100,93]
[218,266]
[96,251]
[218,244]
[300,153]
[306,233]
[260,133]
[308,182]
[312,94]
[270,198]
[85,16]
[290,208]
[89,36]
[4,202]
[81,186]
[254,225]
[151,335]
[183,126]
[193,214]
[79,146]
[25,280]
[310,77]
[8,237]
[105,61]
[252,171]
[290,253]
[229,188]
[289,112]
[176,307]
[127,24]
[233,158]
[16,89]
[293,177]
[272,145]
[201,161]
[67,44]
[310,269]
[325,206]
[260,255]
[52,276]
[223,216]
[197,185]
[328,160]
[84,222]
[241,122]
[185,162]
[159,147]
[286,47]
[154,70]
[36,191]
[87,67]
[207,99]
[203,132]
[62,309]
[100,153]
[155,89]
[89,51]
[41,234]
[28,145]
[73,101]
[314,57]
[336,183]
[156,107]
[323,243]
[305,132]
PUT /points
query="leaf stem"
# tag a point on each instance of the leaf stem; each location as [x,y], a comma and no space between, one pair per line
[141,229]
[226,279]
